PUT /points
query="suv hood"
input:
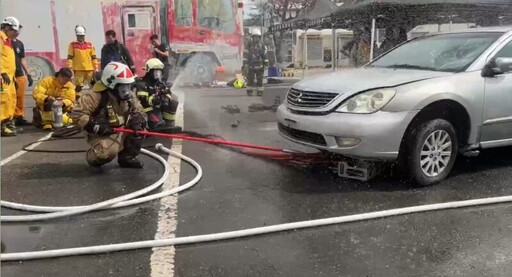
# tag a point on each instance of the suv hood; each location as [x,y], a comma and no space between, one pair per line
[351,81]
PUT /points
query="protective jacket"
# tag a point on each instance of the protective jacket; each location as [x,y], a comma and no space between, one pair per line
[50,86]
[103,105]
[155,97]
[82,56]
[8,58]
[255,54]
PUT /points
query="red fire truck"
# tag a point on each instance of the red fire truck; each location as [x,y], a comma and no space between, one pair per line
[204,33]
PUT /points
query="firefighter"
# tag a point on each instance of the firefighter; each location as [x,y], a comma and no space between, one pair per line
[82,60]
[112,103]
[21,70]
[255,60]
[53,90]
[8,30]
[157,99]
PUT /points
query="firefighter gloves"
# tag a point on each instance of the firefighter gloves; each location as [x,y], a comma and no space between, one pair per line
[102,129]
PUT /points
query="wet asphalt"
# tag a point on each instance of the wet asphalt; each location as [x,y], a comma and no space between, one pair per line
[238,191]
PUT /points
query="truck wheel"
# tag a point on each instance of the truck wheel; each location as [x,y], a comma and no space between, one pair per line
[431,152]
[38,68]
[200,68]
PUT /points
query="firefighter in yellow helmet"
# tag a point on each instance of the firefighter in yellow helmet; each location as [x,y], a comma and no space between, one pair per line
[50,91]
[157,99]
[112,103]
[82,60]
[9,27]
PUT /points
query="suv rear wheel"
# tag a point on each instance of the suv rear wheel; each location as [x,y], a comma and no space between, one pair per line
[431,151]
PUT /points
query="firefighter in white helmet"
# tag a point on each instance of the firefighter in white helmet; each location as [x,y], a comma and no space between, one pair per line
[9,28]
[82,60]
[255,60]
[157,99]
[112,103]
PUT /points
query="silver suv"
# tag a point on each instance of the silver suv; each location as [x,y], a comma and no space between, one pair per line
[420,104]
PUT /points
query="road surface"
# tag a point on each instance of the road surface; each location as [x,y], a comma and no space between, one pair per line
[239,191]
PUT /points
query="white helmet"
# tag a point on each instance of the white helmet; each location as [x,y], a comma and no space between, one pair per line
[13,22]
[116,73]
[80,30]
[256,32]
[153,63]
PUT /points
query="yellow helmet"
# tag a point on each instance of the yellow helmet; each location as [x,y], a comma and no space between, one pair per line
[238,83]
[153,63]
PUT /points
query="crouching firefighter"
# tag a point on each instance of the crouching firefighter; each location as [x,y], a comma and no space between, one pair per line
[112,103]
[159,103]
[55,97]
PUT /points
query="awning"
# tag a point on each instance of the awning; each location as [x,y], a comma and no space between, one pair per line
[418,12]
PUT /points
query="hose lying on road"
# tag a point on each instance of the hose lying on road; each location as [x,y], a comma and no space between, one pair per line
[118,202]
[101,249]
[121,201]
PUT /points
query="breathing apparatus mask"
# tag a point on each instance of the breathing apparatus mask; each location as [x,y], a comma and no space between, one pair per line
[157,74]
[124,91]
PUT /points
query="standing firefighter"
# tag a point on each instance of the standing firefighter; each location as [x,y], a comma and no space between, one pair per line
[112,104]
[9,29]
[159,103]
[82,60]
[255,60]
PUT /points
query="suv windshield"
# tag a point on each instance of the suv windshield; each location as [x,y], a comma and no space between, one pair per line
[446,52]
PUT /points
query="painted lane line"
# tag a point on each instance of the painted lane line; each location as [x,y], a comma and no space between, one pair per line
[21,152]
[162,259]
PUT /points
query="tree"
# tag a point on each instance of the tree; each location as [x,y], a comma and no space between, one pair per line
[290,9]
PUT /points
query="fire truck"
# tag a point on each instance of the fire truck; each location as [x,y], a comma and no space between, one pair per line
[203,34]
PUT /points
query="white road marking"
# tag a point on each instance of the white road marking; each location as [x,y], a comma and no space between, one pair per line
[162,259]
[21,152]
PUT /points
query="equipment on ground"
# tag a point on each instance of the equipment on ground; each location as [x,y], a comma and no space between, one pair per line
[238,83]
[57,114]
[231,109]
[261,108]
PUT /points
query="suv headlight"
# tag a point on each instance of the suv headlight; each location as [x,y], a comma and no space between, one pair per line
[367,102]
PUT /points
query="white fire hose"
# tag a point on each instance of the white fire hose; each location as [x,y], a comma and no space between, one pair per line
[129,199]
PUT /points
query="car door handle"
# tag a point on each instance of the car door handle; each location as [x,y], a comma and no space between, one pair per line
[130,34]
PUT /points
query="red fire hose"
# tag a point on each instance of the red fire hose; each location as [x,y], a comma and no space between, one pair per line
[206,140]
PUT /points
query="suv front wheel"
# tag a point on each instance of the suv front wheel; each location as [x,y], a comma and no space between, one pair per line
[431,151]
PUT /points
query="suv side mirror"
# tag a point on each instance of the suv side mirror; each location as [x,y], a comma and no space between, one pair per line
[497,67]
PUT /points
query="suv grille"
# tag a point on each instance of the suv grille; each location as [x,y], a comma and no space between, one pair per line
[309,99]
[304,136]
